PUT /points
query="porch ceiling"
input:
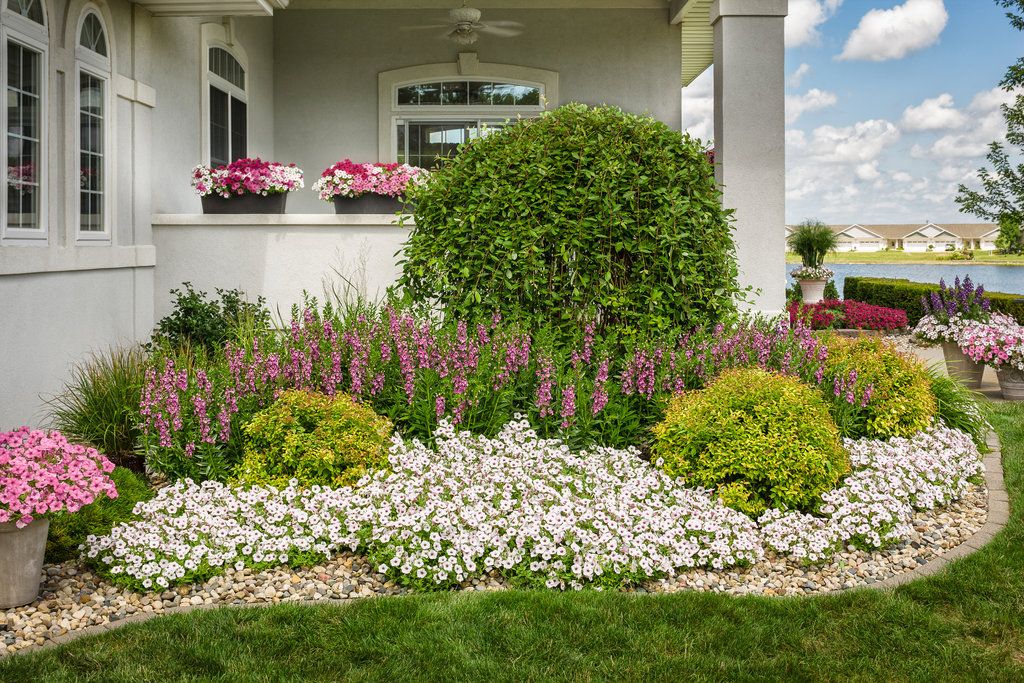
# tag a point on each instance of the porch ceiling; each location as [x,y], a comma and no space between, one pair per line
[698,36]
[692,15]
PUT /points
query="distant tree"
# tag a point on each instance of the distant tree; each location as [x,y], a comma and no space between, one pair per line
[1001,197]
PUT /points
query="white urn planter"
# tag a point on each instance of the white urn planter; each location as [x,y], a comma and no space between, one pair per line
[813,290]
[962,366]
[1011,383]
[21,561]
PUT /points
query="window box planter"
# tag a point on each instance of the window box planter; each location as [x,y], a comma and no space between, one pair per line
[246,186]
[1011,383]
[368,187]
[245,203]
[21,561]
[367,203]
[961,366]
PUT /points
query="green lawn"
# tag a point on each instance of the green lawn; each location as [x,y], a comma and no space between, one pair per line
[987,258]
[967,623]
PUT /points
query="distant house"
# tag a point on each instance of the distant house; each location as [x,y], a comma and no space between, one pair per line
[911,237]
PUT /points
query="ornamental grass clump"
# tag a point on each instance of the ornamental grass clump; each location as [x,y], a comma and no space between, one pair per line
[313,439]
[760,440]
[41,472]
[898,399]
[99,404]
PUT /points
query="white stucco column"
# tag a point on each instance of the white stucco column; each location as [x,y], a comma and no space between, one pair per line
[750,151]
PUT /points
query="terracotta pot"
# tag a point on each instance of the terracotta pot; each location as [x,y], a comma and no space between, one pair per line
[961,366]
[21,561]
[367,203]
[813,290]
[1011,383]
[245,203]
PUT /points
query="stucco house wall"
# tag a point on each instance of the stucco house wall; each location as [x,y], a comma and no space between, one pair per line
[327,63]
[177,50]
[61,296]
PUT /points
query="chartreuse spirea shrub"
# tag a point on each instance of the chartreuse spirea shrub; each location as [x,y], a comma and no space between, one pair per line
[313,439]
[531,510]
[579,214]
[900,402]
[759,439]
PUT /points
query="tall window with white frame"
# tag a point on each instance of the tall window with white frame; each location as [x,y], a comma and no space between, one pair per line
[228,108]
[24,38]
[93,78]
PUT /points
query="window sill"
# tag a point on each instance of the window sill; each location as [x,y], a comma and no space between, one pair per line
[276,220]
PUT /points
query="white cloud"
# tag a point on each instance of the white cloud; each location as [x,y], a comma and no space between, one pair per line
[699,106]
[981,124]
[884,34]
[797,77]
[901,176]
[937,113]
[812,100]
[868,170]
[862,142]
[805,16]
[832,168]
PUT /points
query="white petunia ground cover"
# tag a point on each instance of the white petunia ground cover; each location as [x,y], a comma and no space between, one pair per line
[530,510]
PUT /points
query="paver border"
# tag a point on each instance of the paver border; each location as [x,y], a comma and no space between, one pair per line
[998,515]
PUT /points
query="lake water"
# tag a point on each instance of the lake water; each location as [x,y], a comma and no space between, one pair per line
[995,278]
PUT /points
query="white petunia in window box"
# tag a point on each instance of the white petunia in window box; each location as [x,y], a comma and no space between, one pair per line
[246,186]
[368,188]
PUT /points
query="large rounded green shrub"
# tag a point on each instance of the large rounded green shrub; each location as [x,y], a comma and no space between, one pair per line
[580,213]
[315,439]
[759,439]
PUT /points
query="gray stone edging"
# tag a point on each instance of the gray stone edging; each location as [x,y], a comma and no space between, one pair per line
[998,515]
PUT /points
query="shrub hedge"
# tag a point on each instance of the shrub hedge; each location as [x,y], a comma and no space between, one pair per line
[760,439]
[579,214]
[906,295]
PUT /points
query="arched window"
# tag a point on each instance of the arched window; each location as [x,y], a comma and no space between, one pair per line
[94,152]
[428,111]
[228,107]
[25,42]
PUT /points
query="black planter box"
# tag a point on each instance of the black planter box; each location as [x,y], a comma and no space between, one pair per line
[367,203]
[245,203]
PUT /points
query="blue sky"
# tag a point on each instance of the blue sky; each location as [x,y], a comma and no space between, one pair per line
[890,105]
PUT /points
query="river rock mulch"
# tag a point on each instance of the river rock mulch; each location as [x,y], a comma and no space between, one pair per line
[74,598]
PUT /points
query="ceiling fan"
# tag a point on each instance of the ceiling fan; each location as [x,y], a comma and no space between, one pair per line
[464,26]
